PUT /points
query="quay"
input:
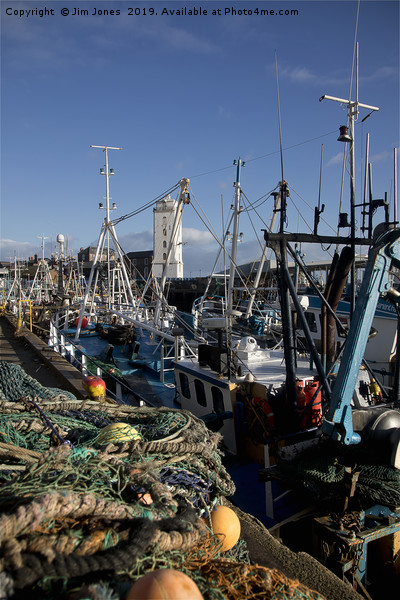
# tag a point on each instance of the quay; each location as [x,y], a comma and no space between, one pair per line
[37,359]
[51,370]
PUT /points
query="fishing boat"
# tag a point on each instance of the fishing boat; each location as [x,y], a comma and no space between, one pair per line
[280,406]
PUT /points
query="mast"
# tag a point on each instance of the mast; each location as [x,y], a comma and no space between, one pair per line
[107,229]
[352,115]
[60,288]
[236,211]
[284,283]
[107,222]
[253,291]
[395,187]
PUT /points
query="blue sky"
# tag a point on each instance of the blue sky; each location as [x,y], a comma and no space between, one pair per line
[184,96]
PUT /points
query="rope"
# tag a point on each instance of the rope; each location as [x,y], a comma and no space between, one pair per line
[143,535]
[76,513]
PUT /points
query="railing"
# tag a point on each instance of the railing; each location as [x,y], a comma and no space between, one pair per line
[73,352]
[177,348]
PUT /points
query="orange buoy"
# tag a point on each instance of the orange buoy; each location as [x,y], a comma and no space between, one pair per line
[226,526]
[164,584]
[83,324]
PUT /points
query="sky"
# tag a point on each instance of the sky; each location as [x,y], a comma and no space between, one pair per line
[184,95]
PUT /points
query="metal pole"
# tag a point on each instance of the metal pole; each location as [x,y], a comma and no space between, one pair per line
[370,200]
[395,188]
[236,211]
[107,218]
[365,183]
[253,291]
[352,212]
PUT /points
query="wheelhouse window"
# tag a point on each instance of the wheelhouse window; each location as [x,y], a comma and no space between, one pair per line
[200,392]
[184,382]
[217,399]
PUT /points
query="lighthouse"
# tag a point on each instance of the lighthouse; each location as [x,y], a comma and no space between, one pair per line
[167,239]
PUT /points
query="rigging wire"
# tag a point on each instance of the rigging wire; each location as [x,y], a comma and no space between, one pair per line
[310,207]
[261,200]
[254,208]
[249,160]
[146,206]
[206,222]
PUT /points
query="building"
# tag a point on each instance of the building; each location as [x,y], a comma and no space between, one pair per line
[86,258]
[140,264]
[163,227]
[88,254]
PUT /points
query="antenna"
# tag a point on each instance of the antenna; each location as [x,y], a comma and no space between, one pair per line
[107,172]
[395,187]
[279,115]
[108,230]
[352,115]
[289,341]
[42,237]
[318,209]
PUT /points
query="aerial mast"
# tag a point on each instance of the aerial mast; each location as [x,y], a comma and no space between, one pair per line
[235,236]
[345,136]
[106,229]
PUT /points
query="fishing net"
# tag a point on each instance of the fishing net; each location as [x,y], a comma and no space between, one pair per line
[87,515]
[325,474]
[15,383]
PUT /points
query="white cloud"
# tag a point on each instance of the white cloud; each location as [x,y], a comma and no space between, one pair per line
[379,74]
[196,237]
[179,38]
[335,160]
[168,36]
[10,248]
[385,155]
[136,241]
[301,74]
[224,113]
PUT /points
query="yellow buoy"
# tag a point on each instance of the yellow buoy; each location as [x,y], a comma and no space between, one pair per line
[118,432]
[226,526]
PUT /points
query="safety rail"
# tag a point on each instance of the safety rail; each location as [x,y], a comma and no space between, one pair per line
[70,349]
[72,352]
